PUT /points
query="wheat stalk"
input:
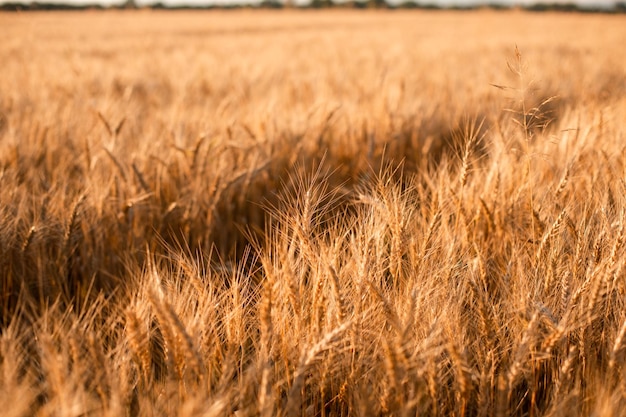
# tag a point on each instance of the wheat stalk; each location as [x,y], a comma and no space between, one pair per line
[308,357]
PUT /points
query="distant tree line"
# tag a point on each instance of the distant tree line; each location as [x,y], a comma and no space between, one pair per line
[619,7]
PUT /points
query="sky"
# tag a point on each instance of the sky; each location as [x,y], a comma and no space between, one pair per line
[587,3]
[582,3]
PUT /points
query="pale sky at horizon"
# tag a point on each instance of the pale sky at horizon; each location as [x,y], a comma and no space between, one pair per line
[582,3]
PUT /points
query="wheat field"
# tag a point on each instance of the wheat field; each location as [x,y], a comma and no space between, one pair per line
[312,213]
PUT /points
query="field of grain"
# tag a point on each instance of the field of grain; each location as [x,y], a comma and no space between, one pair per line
[307,213]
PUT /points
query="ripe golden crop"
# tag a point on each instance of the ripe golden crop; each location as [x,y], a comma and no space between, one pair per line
[312,213]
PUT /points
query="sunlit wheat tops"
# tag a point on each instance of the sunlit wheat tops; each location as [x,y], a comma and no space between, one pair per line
[312,214]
